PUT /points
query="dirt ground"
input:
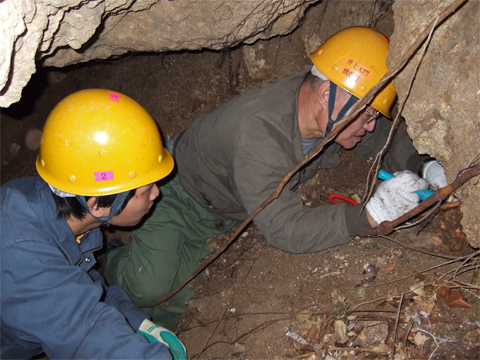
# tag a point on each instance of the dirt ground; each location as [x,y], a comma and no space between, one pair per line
[255,301]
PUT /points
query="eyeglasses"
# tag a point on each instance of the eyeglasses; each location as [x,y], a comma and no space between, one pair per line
[373,116]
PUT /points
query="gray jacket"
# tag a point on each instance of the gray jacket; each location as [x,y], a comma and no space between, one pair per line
[233,158]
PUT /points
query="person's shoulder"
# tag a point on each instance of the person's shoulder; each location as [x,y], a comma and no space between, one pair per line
[298,75]
[24,185]
[22,191]
[295,79]
[23,209]
[23,182]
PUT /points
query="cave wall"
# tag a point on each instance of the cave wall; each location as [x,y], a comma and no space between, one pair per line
[63,32]
[442,110]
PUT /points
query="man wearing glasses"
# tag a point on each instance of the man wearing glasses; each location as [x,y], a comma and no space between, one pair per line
[233,158]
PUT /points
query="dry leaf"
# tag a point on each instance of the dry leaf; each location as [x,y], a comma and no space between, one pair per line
[382,348]
[390,268]
[419,276]
[426,303]
[340,306]
[361,290]
[412,335]
[411,313]
[417,288]
[311,334]
[303,319]
[327,337]
[420,339]
[393,300]
[341,330]
[240,347]
[454,298]
[397,253]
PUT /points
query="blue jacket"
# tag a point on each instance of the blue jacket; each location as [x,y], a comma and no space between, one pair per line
[52,300]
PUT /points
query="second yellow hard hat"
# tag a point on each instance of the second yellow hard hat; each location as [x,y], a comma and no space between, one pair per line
[355,59]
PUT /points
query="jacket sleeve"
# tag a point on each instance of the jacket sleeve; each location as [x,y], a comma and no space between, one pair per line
[46,300]
[400,155]
[117,297]
[286,223]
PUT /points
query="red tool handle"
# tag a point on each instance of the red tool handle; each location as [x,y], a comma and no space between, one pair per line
[332,198]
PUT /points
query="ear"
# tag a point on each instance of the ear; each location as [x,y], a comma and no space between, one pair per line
[95,210]
[323,93]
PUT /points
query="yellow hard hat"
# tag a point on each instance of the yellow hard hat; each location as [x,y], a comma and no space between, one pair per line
[98,142]
[355,59]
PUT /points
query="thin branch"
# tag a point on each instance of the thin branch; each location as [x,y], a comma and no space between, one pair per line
[474,158]
[470,267]
[420,250]
[255,329]
[431,212]
[214,330]
[354,349]
[239,315]
[438,343]
[396,324]
[464,262]
[408,276]
[372,13]
[406,338]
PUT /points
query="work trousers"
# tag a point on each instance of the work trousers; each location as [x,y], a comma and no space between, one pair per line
[165,250]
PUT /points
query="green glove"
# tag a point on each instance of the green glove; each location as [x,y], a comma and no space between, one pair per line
[155,333]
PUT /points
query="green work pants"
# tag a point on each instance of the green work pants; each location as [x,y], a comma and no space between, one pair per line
[165,250]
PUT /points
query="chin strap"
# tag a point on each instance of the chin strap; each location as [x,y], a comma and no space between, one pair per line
[114,209]
[331,105]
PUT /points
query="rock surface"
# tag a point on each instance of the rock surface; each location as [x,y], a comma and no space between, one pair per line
[442,108]
[64,32]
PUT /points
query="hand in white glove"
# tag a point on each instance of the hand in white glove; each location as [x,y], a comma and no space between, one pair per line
[396,196]
[433,172]
[155,333]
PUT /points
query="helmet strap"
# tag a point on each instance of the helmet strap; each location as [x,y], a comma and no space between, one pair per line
[114,209]
[331,105]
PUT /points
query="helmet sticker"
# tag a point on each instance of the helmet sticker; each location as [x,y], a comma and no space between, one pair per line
[114,96]
[356,67]
[103,175]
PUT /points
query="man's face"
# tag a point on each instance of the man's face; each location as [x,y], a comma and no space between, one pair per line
[138,206]
[356,130]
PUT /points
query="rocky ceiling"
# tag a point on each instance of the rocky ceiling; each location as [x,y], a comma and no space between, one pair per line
[439,88]
[64,32]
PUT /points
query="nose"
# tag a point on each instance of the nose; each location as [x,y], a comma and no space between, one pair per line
[155,192]
[370,125]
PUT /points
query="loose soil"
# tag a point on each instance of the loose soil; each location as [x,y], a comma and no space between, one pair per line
[253,300]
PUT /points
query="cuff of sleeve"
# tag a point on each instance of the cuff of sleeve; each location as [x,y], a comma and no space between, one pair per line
[430,164]
[356,220]
[416,162]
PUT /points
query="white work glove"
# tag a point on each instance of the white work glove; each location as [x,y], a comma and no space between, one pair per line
[433,172]
[155,333]
[396,196]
